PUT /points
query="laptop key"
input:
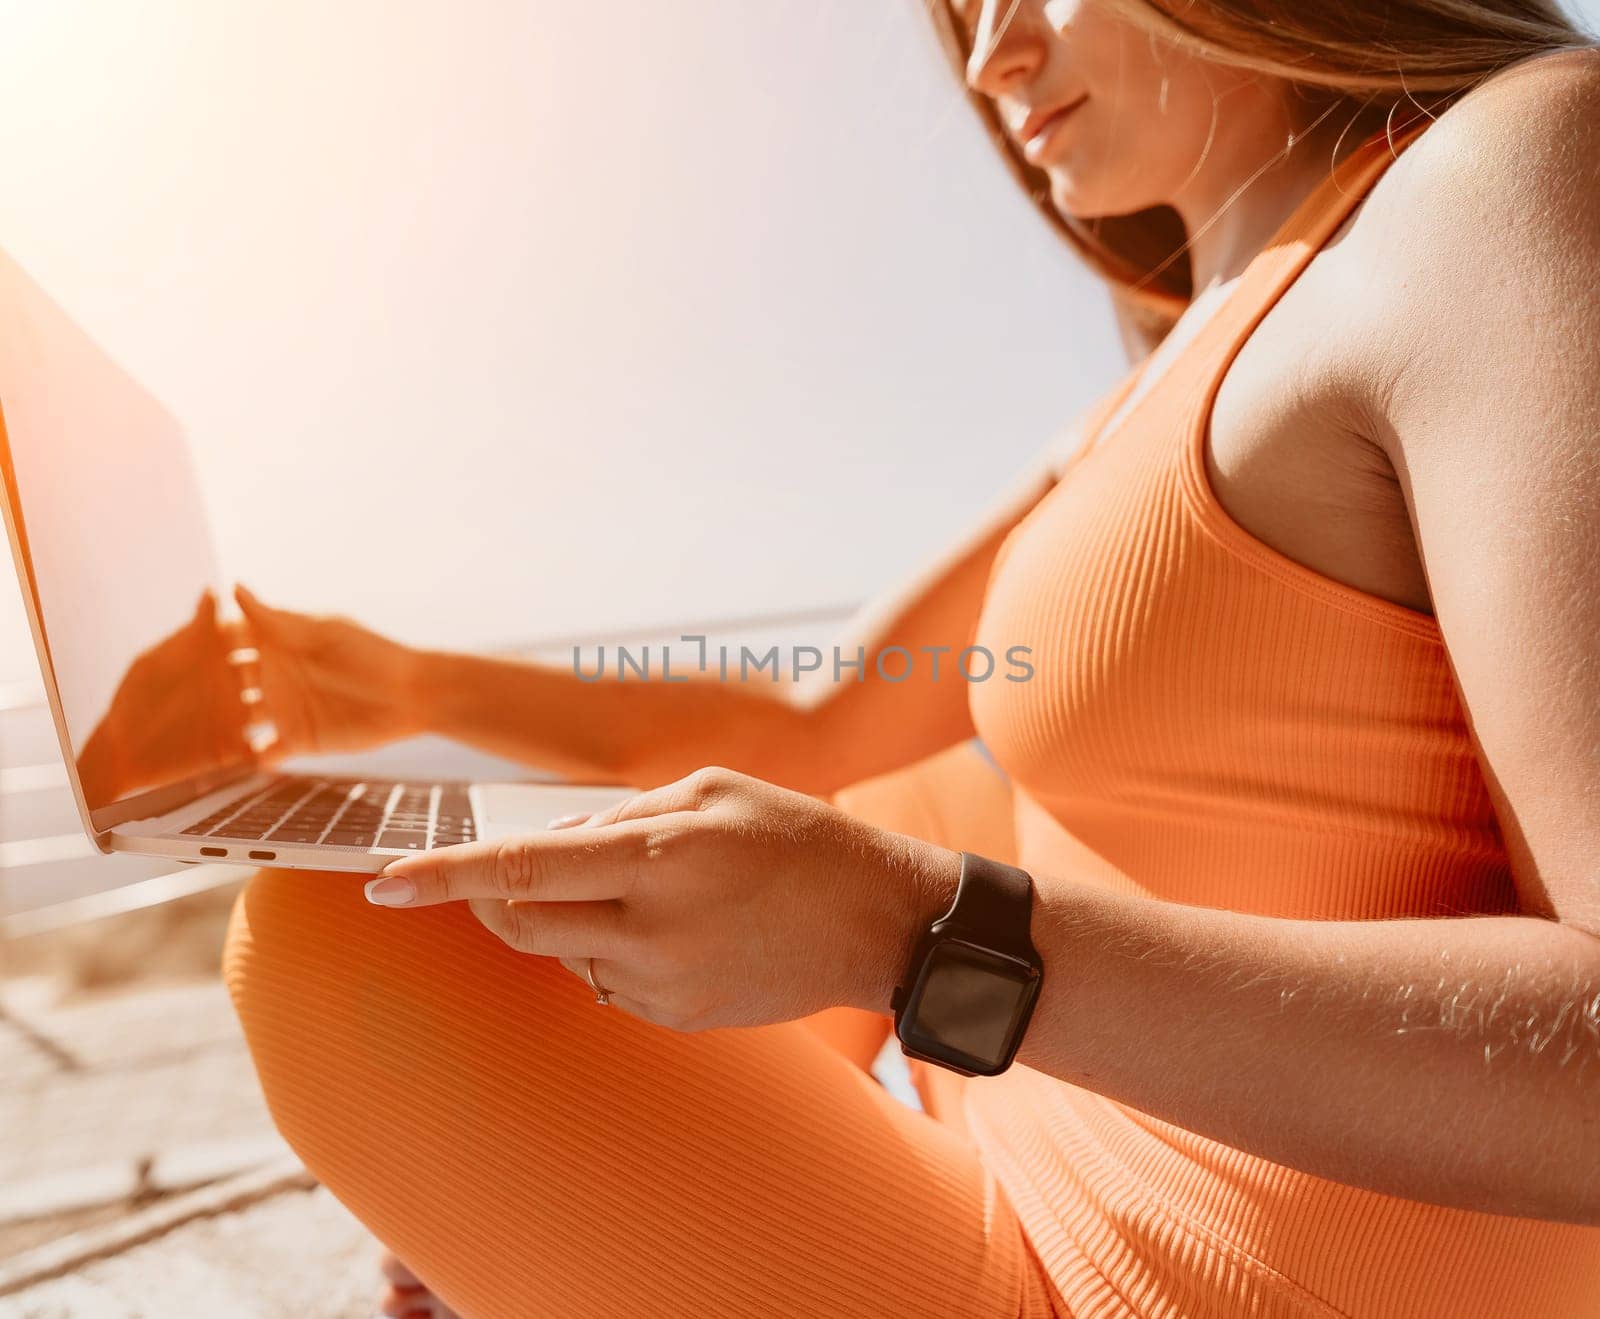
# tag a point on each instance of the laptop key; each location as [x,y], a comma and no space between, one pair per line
[350,838]
[294,836]
[412,840]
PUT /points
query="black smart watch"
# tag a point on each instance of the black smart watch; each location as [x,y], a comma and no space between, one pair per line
[974,976]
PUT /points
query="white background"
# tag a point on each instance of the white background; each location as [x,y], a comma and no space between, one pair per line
[512,319]
[500,321]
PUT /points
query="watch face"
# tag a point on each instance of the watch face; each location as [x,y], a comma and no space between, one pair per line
[966,1004]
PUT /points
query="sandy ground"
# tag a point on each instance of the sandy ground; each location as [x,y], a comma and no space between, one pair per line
[126,1093]
[295,1256]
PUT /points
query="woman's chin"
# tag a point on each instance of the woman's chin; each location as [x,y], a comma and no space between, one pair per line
[1080,200]
[1070,196]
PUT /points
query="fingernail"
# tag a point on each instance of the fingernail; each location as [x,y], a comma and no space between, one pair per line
[567,821]
[390,891]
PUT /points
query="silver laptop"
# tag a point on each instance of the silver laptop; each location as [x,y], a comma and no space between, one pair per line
[118,573]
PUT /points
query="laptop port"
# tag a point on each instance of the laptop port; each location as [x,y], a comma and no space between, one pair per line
[263,856]
[213,851]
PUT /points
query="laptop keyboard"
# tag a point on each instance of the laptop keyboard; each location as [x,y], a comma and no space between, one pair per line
[347,813]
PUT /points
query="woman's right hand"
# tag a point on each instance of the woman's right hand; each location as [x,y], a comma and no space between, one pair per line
[328,684]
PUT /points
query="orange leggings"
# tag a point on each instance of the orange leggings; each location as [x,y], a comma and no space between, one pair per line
[528,1152]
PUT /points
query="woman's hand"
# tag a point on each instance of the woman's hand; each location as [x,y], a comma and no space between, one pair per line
[718,900]
[178,710]
[328,684]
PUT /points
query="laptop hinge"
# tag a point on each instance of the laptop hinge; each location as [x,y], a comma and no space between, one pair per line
[161,801]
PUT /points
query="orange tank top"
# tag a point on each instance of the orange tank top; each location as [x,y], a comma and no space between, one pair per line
[1212,722]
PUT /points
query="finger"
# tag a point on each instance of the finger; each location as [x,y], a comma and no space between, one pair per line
[565,865]
[693,792]
[555,929]
[259,615]
[202,624]
[612,976]
[569,821]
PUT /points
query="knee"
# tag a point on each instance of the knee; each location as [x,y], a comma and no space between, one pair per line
[253,926]
[955,798]
[289,973]
[384,1039]
[284,949]
[325,987]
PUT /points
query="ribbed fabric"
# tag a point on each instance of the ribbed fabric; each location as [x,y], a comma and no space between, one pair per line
[532,1154]
[1213,723]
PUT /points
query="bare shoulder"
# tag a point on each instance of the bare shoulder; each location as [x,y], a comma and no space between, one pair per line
[1528,135]
[1539,100]
[1487,225]
[1516,160]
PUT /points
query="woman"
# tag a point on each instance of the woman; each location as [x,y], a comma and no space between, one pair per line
[1303,780]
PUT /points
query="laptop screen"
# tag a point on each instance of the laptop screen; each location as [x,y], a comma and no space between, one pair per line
[111,540]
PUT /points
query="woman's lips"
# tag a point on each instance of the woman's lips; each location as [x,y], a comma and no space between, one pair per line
[1038,130]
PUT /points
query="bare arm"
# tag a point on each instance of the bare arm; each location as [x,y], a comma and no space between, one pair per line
[815,735]
[1451,1061]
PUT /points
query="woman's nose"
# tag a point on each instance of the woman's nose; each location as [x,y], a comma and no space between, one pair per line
[1008,46]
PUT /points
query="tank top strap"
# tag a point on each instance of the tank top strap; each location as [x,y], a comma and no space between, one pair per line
[1095,419]
[1299,238]
[1220,340]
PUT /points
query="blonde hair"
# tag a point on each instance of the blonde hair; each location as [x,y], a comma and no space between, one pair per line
[1378,55]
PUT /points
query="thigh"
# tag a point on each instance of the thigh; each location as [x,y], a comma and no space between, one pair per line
[957,798]
[853,1033]
[529,1152]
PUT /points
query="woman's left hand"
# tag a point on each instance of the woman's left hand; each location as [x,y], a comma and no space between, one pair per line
[718,900]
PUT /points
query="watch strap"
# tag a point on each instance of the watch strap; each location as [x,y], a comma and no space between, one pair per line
[997,900]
